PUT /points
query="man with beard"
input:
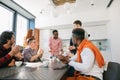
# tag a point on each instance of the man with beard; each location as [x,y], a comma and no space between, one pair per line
[88,60]
[55,44]
[8,51]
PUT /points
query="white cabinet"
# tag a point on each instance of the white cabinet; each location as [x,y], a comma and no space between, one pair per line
[104,46]
[65,33]
[97,32]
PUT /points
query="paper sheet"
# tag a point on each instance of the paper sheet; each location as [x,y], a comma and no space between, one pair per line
[33,64]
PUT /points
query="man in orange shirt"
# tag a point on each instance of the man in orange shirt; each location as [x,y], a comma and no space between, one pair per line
[88,60]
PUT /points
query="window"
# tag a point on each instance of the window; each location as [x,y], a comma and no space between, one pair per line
[6,19]
[21,29]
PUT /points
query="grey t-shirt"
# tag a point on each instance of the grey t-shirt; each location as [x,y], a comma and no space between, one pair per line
[28,53]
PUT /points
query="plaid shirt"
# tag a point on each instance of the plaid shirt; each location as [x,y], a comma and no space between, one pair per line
[5,58]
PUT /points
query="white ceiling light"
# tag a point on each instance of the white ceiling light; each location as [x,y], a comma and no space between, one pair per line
[68,7]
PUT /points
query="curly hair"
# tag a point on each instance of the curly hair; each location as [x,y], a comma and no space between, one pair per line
[5,36]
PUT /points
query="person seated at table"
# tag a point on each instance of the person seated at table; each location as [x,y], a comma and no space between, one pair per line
[31,54]
[8,51]
[88,60]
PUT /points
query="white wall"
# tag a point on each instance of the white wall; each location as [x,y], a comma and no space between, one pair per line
[65,33]
[44,40]
[114,30]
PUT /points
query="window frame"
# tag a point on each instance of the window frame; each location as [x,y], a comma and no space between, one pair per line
[14,19]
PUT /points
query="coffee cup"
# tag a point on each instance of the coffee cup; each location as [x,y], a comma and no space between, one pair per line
[18,63]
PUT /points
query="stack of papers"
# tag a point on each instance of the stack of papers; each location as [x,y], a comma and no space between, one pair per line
[33,64]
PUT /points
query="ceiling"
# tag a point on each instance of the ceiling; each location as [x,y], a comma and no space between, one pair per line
[45,7]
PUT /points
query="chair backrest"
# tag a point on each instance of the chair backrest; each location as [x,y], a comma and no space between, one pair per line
[113,71]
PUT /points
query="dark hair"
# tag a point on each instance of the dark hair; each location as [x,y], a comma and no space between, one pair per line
[54,31]
[5,36]
[78,22]
[30,39]
[78,33]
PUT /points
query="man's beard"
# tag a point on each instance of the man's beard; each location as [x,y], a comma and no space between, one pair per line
[55,37]
[12,44]
[75,45]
